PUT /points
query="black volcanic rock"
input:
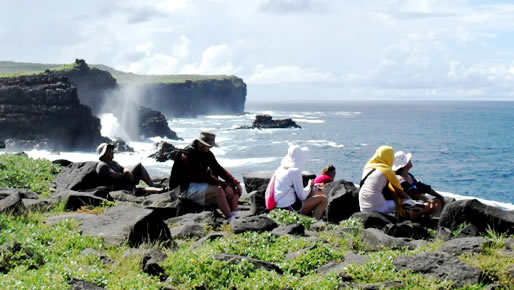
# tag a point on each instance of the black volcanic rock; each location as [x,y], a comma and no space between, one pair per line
[267,122]
[165,151]
[46,108]
[153,123]
[93,84]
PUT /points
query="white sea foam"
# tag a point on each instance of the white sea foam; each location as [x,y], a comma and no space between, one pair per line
[222,116]
[347,114]
[312,121]
[324,143]
[232,163]
[498,204]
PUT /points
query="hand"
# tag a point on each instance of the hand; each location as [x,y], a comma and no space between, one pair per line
[238,189]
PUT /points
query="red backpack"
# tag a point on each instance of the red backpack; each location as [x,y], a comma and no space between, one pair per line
[269,196]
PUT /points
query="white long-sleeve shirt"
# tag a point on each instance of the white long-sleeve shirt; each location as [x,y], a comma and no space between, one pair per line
[289,185]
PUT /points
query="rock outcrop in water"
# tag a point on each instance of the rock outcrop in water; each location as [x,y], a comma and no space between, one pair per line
[45,108]
[267,122]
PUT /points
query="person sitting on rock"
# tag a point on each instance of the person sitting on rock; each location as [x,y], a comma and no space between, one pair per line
[289,191]
[415,189]
[327,175]
[113,174]
[198,174]
[378,177]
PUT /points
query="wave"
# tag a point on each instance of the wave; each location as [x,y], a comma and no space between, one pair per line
[347,114]
[324,143]
[312,121]
[493,203]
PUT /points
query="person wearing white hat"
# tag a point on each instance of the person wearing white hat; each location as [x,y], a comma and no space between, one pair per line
[289,191]
[113,174]
[415,189]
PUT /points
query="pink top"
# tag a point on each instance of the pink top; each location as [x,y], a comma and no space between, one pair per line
[323,178]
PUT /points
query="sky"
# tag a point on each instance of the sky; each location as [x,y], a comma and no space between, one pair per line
[283,49]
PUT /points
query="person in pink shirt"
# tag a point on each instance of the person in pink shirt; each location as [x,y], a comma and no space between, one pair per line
[327,175]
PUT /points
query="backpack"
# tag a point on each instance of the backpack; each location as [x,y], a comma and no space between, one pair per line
[269,195]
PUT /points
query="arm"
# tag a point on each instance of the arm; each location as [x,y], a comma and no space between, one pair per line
[301,192]
[218,170]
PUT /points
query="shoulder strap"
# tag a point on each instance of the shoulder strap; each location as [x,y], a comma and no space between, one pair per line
[366,177]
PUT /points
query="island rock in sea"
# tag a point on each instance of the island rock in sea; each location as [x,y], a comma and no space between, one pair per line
[267,122]
[45,109]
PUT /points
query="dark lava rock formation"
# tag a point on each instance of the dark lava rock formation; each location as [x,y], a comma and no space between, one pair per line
[267,122]
[46,107]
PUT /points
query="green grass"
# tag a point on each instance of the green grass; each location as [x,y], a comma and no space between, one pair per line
[36,256]
[13,69]
[20,171]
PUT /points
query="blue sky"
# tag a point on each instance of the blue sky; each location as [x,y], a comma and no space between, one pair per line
[287,49]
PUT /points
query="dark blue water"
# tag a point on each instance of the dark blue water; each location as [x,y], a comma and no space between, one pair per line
[460,147]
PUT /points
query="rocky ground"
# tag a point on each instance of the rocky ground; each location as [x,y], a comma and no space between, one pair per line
[59,229]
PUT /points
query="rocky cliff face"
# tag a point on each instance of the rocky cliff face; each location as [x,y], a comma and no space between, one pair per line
[94,85]
[192,98]
[46,107]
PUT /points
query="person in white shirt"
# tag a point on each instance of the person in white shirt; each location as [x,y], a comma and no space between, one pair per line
[289,191]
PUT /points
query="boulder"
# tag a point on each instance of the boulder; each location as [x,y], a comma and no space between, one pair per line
[24,193]
[349,259]
[150,263]
[12,204]
[2,144]
[75,200]
[164,151]
[206,218]
[408,229]
[463,245]
[164,199]
[121,146]
[444,234]
[37,204]
[442,266]
[78,176]
[125,195]
[296,254]
[232,259]
[120,224]
[294,229]
[478,214]
[210,237]
[267,122]
[376,239]
[375,219]
[260,223]
[152,123]
[62,162]
[343,200]
[101,255]
[469,231]
[187,231]
[76,284]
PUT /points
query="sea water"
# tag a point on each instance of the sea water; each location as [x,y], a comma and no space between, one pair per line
[463,148]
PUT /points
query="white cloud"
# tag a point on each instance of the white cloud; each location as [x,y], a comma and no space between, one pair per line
[288,74]
[216,59]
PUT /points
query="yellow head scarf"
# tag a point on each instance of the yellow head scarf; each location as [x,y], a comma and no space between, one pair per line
[383,161]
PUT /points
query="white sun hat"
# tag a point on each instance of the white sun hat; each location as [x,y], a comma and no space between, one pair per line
[296,157]
[401,159]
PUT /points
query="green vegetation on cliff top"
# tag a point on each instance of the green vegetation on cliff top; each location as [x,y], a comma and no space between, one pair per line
[34,255]
[13,69]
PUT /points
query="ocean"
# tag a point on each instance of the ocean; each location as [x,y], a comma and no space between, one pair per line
[464,149]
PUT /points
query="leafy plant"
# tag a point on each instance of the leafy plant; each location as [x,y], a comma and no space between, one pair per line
[287,217]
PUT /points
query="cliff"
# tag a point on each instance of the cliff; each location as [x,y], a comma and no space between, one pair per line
[46,108]
[174,95]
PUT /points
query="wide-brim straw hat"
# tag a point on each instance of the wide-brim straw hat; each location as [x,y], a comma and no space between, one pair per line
[102,149]
[207,139]
[401,159]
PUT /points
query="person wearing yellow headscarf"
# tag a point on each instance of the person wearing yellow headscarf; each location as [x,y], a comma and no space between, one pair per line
[378,174]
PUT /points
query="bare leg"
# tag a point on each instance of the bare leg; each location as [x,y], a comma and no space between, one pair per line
[216,194]
[233,199]
[318,203]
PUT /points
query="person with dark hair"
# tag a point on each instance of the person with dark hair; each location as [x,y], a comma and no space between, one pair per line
[198,174]
[327,175]
[113,174]
[415,189]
